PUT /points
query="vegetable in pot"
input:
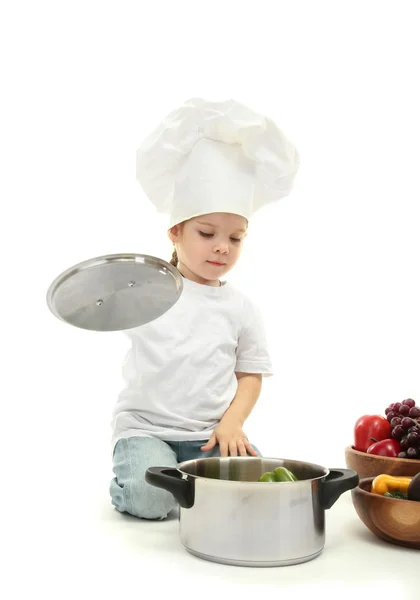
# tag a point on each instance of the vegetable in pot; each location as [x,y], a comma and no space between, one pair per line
[268,476]
[279,474]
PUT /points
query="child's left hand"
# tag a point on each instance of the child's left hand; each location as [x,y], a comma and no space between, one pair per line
[231,439]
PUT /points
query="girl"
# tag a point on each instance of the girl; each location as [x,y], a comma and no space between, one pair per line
[194,375]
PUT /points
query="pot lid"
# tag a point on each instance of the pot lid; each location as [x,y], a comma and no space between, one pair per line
[115,292]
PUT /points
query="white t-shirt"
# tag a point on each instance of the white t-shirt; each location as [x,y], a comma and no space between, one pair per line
[180,369]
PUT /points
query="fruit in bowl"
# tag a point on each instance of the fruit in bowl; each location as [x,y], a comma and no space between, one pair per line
[370,429]
[390,508]
[387,444]
[404,419]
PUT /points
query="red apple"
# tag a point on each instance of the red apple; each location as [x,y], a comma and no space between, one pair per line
[370,428]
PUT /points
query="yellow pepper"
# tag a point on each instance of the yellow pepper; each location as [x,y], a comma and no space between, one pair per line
[387,483]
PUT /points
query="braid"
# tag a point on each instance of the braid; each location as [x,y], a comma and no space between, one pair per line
[174,259]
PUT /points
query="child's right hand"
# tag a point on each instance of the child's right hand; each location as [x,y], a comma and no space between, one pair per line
[231,439]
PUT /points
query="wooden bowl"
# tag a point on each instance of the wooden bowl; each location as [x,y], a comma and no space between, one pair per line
[393,520]
[369,465]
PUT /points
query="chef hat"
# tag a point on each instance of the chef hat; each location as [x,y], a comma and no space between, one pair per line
[210,157]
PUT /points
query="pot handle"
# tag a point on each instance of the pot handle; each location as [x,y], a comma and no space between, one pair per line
[172,481]
[336,483]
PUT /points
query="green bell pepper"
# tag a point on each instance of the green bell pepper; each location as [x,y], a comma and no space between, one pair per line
[268,476]
[279,474]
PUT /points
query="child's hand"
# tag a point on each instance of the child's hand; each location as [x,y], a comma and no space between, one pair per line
[231,439]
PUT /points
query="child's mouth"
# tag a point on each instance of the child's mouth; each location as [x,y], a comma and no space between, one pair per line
[217,264]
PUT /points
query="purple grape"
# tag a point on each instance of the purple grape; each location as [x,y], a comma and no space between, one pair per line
[414,429]
[391,415]
[406,423]
[396,421]
[387,410]
[409,402]
[413,439]
[397,406]
[402,455]
[412,452]
[404,443]
[397,433]
[404,410]
[414,412]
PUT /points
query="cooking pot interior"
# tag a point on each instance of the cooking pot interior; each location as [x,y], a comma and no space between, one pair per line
[244,468]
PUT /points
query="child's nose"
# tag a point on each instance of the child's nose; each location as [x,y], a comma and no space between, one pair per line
[222,248]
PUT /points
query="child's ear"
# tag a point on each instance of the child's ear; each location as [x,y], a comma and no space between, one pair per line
[173,234]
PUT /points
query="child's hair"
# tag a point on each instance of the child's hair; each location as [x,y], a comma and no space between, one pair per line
[174,259]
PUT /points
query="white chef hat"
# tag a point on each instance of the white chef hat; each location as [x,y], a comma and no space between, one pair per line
[210,157]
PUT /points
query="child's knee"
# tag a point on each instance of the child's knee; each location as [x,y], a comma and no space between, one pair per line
[129,490]
[150,502]
[141,499]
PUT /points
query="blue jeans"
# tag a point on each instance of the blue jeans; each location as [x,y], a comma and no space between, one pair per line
[130,492]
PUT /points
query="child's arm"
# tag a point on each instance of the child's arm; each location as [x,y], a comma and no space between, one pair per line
[247,394]
[229,433]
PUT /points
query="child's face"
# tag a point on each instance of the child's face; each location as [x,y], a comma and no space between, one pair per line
[209,246]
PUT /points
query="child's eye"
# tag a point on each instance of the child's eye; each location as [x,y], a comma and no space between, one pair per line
[235,239]
[206,235]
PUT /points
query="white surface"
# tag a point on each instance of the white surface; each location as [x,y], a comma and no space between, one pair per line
[94,551]
[334,268]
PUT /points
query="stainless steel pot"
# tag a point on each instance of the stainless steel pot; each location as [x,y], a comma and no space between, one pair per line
[227,516]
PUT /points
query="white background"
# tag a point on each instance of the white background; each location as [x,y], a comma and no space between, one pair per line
[334,267]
